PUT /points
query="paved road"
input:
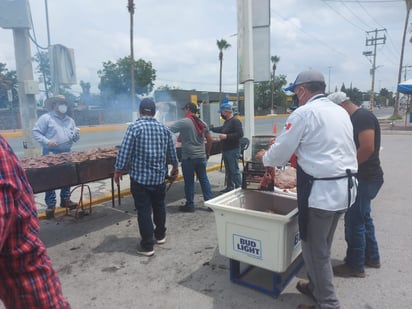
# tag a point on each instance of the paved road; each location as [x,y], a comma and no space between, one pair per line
[99,136]
[96,262]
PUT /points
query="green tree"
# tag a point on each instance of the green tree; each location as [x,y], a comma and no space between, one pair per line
[43,69]
[355,95]
[385,97]
[115,79]
[221,45]
[263,96]
[8,81]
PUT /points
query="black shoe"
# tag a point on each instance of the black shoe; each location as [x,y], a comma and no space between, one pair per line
[68,204]
[225,190]
[143,251]
[346,271]
[209,209]
[373,264]
[161,241]
[186,208]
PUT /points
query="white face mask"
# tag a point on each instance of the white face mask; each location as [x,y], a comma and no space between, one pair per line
[62,108]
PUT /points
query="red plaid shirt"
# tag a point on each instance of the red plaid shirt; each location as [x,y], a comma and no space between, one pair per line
[27,279]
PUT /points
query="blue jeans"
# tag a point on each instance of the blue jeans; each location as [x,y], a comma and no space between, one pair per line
[148,199]
[230,158]
[50,196]
[359,228]
[189,168]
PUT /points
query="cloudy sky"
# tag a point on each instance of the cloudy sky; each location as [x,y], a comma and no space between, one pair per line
[179,38]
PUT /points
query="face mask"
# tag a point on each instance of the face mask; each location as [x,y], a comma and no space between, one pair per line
[62,108]
[295,100]
[223,116]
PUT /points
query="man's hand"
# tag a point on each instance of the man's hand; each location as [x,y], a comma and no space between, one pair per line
[260,154]
[117,177]
[52,144]
[174,172]
[222,136]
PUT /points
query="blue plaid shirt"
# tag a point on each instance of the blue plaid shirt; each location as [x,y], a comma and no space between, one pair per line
[148,146]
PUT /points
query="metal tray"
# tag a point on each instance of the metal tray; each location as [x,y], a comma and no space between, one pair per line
[52,177]
[93,170]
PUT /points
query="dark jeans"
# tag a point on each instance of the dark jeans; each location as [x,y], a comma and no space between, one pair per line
[50,196]
[230,158]
[359,227]
[148,199]
[189,168]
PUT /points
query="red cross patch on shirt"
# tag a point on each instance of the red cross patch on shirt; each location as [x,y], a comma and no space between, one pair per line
[288,126]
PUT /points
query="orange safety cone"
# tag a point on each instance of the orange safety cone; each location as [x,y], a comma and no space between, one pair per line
[275,128]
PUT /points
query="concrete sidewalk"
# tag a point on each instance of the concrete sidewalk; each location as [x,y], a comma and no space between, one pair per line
[96,261]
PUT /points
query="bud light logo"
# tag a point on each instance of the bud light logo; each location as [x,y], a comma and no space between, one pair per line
[249,246]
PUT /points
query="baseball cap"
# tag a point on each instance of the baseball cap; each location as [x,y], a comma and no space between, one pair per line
[147,106]
[306,77]
[58,99]
[338,97]
[225,107]
[191,106]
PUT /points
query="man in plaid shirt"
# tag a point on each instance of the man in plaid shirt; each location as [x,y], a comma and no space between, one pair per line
[148,146]
[27,278]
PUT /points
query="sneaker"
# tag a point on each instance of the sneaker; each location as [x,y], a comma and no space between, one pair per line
[161,241]
[373,264]
[186,208]
[144,252]
[69,204]
[345,271]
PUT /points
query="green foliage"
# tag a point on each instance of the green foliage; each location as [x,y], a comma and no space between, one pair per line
[263,96]
[43,69]
[222,45]
[115,79]
[8,81]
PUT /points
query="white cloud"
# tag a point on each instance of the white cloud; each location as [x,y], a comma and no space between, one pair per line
[179,38]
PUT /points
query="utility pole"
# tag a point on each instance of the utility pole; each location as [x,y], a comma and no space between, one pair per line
[374,41]
[131,7]
[27,88]
[15,15]
[405,69]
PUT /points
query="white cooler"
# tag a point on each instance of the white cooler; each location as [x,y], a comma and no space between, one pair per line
[258,228]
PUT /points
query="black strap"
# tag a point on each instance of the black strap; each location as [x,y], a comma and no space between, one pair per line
[348,175]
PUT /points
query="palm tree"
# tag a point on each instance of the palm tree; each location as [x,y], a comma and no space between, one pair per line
[274,60]
[222,45]
[130,8]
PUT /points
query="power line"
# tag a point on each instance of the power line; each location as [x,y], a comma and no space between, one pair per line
[341,15]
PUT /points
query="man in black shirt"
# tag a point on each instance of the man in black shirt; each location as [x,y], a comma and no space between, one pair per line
[230,134]
[359,228]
